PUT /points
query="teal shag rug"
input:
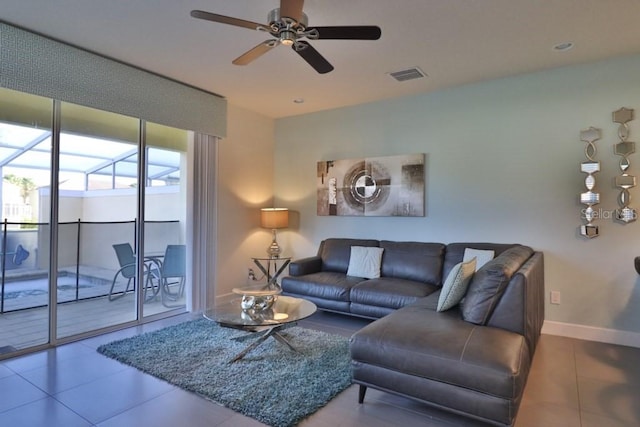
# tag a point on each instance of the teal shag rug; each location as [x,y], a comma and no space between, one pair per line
[272,384]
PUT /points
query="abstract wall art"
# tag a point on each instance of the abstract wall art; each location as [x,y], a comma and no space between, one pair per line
[372,186]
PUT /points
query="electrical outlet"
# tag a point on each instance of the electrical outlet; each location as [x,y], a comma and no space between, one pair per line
[251,275]
[555,297]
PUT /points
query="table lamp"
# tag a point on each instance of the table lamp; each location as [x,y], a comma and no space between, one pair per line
[274,218]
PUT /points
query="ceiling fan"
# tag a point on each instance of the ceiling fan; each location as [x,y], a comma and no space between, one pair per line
[288,25]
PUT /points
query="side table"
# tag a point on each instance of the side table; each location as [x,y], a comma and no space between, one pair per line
[272,268]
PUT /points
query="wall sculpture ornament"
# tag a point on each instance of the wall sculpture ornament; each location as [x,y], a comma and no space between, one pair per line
[590,167]
[372,186]
[624,181]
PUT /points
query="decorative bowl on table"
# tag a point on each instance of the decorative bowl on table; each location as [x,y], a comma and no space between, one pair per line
[257,299]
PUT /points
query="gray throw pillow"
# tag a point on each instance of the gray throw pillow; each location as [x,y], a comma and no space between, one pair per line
[490,281]
[482,256]
[455,286]
[365,262]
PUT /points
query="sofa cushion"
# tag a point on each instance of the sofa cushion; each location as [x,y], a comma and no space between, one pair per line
[421,262]
[442,347]
[489,283]
[335,253]
[456,284]
[482,256]
[390,292]
[365,262]
[455,252]
[370,311]
[326,285]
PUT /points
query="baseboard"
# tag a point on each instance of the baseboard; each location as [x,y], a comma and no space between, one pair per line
[591,333]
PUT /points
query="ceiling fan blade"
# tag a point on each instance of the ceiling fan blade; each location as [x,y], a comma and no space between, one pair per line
[358,32]
[256,52]
[292,9]
[201,14]
[312,56]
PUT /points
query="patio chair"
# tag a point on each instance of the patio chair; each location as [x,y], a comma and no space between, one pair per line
[172,273]
[127,261]
[20,255]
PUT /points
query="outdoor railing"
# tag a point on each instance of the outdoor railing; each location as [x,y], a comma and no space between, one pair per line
[87,261]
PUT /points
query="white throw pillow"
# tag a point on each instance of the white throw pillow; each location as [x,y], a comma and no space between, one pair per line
[365,262]
[456,284]
[482,257]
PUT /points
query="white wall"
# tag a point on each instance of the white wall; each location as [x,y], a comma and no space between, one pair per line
[245,184]
[502,166]
[162,204]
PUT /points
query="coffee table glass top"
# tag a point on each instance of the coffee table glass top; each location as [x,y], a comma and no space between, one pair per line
[284,310]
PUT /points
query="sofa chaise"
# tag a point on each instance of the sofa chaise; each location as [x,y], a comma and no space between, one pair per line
[470,357]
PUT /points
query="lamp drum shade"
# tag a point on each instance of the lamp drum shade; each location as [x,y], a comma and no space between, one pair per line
[274,218]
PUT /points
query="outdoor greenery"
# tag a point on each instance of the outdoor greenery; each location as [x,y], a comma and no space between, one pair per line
[25,184]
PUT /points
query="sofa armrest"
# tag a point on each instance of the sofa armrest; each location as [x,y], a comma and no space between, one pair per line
[303,266]
[521,308]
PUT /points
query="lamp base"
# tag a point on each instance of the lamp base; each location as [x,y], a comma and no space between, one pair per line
[274,250]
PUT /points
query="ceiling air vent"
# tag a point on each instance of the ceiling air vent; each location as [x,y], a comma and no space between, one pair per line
[408,74]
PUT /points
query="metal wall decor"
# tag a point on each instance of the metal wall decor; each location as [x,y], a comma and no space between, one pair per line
[624,181]
[591,166]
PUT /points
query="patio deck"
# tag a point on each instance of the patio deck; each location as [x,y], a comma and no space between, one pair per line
[30,327]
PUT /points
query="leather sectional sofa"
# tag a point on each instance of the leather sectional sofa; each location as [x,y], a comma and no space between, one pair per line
[472,359]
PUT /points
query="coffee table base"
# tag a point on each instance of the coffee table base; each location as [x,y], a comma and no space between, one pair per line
[269,332]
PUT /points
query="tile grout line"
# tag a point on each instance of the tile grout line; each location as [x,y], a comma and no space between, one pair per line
[575,364]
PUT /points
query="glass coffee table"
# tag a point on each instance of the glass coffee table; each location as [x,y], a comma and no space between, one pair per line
[265,323]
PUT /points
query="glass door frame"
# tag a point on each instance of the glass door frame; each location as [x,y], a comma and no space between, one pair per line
[56,128]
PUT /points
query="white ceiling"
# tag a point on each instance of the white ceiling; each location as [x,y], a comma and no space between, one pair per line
[454,41]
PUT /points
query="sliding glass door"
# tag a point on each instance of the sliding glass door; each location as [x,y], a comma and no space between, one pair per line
[165,217]
[25,159]
[96,174]
[97,217]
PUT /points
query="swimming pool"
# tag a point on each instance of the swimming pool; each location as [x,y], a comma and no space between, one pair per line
[34,292]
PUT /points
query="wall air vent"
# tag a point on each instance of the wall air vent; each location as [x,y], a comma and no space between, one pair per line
[408,74]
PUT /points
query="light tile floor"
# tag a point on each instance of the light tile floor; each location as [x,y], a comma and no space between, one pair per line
[572,383]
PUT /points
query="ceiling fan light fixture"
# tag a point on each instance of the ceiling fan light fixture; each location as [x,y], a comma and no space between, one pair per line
[287,37]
